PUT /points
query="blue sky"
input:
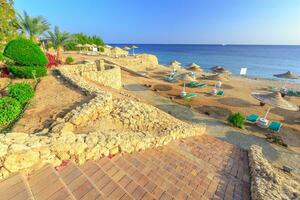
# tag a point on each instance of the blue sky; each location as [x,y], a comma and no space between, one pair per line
[175,21]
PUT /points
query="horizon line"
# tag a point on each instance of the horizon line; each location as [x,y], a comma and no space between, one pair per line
[221,44]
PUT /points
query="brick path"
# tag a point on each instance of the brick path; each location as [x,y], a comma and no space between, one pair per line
[195,168]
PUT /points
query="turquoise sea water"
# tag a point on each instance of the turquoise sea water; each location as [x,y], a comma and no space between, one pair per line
[261,60]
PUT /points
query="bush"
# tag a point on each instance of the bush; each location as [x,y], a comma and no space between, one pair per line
[69,60]
[10,109]
[1,57]
[25,52]
[28,71]
[237,120]
[51,60]
[23,92]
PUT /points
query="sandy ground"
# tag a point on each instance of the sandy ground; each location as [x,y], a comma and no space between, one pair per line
[52,98]
[237,98]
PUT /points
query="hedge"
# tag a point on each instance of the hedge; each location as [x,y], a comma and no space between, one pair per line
[23,92]
[10,109]
[28,71]
[25,52]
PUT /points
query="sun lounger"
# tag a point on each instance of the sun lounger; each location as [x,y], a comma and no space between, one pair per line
[189,96]
[275,126]
[220,92]
[170,79]
[293,93]
[196,84]
[252,118]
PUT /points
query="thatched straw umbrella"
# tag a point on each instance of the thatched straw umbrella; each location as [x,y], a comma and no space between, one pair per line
[287,75]
[108,46]
[86,46]
[219,69]
[194,67]
[274,100]
[185,78]
[133,47]
[175,65]
[79,46]
[126,48]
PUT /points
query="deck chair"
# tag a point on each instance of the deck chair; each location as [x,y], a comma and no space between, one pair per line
[170,79]
[275,126]
[252,118]
[220,93]
[196,84]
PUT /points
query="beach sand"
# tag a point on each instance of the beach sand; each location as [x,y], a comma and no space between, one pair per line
[237,97]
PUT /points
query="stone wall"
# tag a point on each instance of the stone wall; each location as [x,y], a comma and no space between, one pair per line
[267,182]
[23,152]
[100,72]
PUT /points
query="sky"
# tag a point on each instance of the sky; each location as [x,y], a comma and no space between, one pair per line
[174,21]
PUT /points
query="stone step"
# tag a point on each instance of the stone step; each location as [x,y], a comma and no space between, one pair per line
[15,188]
[109,187]
[47,184]
[78,183]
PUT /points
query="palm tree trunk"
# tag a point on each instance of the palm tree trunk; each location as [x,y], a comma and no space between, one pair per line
[58,54]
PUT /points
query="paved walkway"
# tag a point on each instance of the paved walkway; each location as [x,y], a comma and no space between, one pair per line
[197,168]
[217,128]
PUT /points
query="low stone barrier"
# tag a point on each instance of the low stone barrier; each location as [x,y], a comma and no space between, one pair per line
[100,71]
[268,183]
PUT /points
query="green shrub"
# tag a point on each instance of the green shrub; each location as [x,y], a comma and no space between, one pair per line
[69,60]
[10,109]
[236,119]
[1,56]
[28,71]
[25,52]
[23,92]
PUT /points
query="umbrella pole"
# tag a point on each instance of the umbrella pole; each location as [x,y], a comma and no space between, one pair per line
[184,86]
[267,112]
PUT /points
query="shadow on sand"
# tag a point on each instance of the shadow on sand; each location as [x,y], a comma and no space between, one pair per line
[235,102]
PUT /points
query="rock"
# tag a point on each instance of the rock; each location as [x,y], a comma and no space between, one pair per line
[16,137]
[113,151]
[26,160]
[45,131]
[287,169]
[3,149]
[67,127]
[18,147]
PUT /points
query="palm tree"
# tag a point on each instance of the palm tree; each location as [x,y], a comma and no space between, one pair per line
[32,27]
[59,39]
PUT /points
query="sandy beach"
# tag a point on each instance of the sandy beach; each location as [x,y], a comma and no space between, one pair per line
[237,97]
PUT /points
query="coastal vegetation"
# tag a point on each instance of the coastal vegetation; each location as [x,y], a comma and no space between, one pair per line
[237,120]
[32,27]
[69,60]
[10,108]
[59,39]
[8,22]
[38,30]
[28,59]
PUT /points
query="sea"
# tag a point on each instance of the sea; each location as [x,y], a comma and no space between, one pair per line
[262,61]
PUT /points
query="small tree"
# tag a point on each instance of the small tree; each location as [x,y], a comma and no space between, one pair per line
[59,39]
[236,119]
